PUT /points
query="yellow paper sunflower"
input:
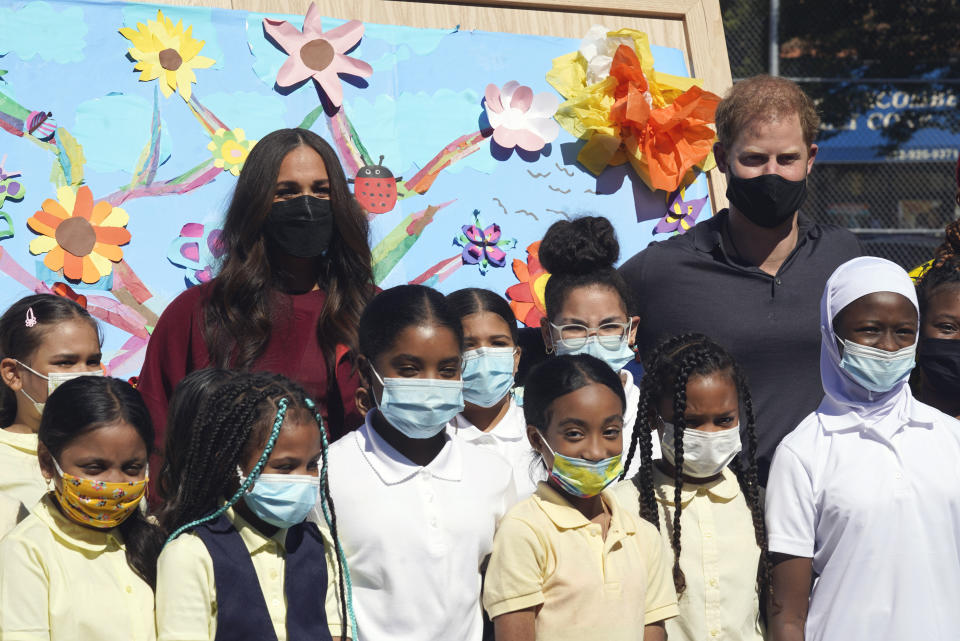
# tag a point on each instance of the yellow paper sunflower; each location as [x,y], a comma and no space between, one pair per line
[164,50]
[230,149]
[79,236]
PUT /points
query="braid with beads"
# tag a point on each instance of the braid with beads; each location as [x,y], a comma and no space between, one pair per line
[667,372]
[330,516]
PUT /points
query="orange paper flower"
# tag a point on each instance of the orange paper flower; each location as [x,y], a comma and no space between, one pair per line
[79,236]
[673,139]
[526,297]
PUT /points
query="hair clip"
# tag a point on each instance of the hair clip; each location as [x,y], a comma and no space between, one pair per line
[30,320]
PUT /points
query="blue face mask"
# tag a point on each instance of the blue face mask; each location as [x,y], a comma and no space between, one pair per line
[487,374]
[877,369]
[419,407]
[282,500]
[616,353]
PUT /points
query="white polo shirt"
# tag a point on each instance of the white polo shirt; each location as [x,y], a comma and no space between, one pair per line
[415,537]
[878,511]
[508,438]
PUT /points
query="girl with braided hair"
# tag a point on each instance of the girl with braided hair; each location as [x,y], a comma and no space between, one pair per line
[241,561]
[572,562]
[704,501]
[937,379]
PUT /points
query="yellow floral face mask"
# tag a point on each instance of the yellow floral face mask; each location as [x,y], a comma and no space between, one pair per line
[98,504]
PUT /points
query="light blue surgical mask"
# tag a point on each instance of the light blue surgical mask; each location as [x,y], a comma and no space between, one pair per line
[487,374]
[419,407]
[877,369]
[614,351]
[283,500]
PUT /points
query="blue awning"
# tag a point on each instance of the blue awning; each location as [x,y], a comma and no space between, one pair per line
[861,139]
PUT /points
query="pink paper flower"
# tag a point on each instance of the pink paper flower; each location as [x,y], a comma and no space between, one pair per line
[316,54]
[519,118]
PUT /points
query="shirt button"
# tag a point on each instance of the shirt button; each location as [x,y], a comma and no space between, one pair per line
[899,475]
[714,633]
[713,583]
[708,535]
[274,574]
[433,522]
[778,281]
[276,602]
[129,589]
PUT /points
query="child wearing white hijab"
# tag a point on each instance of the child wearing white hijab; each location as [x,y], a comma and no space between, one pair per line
[865,493]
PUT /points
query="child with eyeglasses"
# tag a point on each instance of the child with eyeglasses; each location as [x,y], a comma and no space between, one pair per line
[590,309]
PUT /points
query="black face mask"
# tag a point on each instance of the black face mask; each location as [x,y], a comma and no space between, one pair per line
[301,226]
[768,200]
[939,359]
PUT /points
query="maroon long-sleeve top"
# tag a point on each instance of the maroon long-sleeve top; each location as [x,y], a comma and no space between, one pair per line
[177,348]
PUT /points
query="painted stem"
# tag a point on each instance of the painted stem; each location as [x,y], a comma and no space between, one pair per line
[348,143]
[206,117]
[196,177]
[456,150]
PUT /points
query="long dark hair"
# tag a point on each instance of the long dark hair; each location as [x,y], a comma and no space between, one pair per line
[19,340]
[228,427]
[237,315]
[85,404]
[581,253]
[473,300]
[666,373]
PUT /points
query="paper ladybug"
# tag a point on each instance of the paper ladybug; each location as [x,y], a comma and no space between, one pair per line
[376,188]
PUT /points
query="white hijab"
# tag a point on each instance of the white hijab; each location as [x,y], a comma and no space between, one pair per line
[843,395]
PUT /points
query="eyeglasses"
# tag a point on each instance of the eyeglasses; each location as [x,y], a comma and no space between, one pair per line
[610,335]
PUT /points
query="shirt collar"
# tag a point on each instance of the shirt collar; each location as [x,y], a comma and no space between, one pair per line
[505,430]
[567,517]
[393,467]
[708,235]
[253,538]
[26,443]
[73,534]
[834,417]
[723,489]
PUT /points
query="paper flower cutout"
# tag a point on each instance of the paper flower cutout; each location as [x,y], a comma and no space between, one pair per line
[597,49]
[230,149]
[318,55]
[197,250]
[165,51]
[483,246]
[78,236]
[519,118]
[657,122]
[681,214]
[527,296]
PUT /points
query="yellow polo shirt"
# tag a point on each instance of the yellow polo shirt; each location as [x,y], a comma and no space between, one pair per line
[20,476]
[547,554]
[62,581]
[187,592]
[718,556]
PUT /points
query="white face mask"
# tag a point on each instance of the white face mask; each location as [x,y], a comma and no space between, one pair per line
[54,380]
[705,454]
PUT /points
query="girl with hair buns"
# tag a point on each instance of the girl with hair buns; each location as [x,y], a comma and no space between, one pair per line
[937,379]
[863,502]
[288,296]
[590,309]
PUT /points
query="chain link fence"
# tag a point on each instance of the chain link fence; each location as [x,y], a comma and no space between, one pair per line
[896,196]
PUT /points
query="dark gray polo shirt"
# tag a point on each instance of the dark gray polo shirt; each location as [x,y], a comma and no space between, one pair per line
[771,324]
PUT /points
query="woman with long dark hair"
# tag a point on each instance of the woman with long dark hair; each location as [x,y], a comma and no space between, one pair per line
[288,296]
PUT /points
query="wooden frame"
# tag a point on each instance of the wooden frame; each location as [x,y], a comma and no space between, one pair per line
[695,27]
